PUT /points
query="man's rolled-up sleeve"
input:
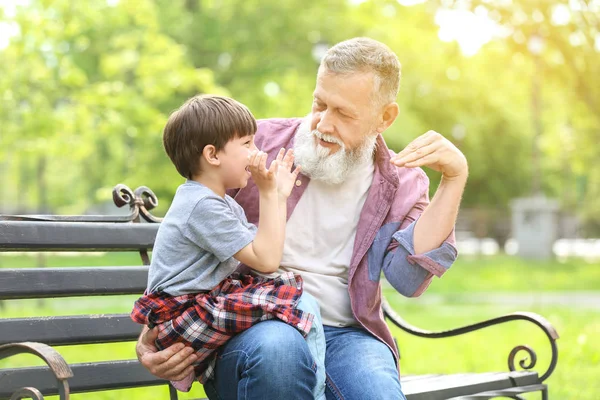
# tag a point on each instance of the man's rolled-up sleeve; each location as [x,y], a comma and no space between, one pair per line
[409,273]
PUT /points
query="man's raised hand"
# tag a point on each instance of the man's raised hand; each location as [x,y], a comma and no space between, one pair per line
[436,152]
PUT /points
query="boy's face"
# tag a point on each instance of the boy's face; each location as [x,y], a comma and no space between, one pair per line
[234,159]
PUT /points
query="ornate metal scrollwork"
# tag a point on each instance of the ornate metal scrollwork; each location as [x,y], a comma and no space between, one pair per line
[523,362]
[140,201]
[538,320]
[56,363]
[27,393]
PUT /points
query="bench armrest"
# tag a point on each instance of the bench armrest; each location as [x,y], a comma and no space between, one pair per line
[51,357]
[538,320]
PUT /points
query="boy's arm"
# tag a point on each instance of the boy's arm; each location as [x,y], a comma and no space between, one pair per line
[267,249]
[264,253]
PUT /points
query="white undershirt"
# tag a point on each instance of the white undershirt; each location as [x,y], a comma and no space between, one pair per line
[319,241]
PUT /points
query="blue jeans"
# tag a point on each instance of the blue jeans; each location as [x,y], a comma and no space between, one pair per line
[316,343]
[271,360]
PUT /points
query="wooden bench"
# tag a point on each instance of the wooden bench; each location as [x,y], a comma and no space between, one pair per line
[136,232]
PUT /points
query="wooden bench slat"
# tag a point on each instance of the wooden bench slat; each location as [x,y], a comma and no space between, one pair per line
[60,331]
[25,283]
[129,374]
[454,385]
[87,377]
[406,378]
[75,236]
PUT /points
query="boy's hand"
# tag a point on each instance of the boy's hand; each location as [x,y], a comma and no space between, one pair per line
[265,179]
[286,177]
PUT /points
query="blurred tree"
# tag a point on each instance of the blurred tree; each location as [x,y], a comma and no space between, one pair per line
[565,35]
[86,90]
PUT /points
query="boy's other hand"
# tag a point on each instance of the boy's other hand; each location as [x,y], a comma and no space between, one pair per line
[287,174]
[265,179]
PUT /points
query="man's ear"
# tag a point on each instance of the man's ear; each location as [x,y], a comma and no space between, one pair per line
[388,116]
[210,154]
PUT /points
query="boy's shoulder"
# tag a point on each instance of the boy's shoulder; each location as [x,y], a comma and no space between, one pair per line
[187,198]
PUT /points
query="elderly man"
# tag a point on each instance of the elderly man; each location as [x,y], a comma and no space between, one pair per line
[357,210]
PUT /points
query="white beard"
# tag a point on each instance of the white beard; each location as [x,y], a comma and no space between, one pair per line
[317,162]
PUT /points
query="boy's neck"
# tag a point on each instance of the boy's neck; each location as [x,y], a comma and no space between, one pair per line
[211,182]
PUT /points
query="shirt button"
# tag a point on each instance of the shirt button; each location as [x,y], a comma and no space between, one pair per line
[298,182]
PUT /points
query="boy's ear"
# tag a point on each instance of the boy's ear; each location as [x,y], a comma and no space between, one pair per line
[209,153]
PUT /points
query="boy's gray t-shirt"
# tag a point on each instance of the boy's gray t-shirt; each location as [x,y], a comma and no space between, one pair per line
[196,241]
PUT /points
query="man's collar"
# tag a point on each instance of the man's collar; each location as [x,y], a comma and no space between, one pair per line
[383,164]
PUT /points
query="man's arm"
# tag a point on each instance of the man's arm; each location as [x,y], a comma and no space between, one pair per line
[438,220]
[425,244]
[409,272]
[438,153]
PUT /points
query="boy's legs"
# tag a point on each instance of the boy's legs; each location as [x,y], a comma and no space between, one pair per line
[271,360]
[316,342]
[359,366]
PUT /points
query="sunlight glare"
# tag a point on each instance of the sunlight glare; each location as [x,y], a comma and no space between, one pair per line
[561,15]
[8,30]
[470,30]
[410,2]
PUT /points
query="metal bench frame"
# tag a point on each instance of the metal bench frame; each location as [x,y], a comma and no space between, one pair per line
[36,335]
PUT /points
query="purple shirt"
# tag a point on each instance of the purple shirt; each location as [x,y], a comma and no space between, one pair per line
[384,237]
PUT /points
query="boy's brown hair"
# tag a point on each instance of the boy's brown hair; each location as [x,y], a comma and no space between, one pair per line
[204,120]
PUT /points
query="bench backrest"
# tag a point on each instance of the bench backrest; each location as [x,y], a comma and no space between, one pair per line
[41,234]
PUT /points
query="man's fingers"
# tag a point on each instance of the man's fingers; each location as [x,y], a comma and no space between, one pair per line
[150,336]
[183,375]
[427,160]
[417,154]
[172,362]
[163,356]
[421,141]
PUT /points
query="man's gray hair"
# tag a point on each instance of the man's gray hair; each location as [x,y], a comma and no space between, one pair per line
[367,55]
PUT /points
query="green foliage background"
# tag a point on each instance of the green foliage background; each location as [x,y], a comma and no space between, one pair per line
[86,87]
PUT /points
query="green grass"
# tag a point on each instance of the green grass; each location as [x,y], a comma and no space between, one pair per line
[576,376]
[511,274]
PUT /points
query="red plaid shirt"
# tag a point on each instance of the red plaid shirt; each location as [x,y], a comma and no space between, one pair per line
[207,320]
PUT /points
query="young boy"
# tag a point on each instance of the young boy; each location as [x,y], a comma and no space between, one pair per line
[193,294]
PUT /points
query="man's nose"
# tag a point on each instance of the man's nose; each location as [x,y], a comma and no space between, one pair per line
[324,122]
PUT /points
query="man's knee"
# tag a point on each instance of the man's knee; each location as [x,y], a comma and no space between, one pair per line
[280,347]
[272,345]
[263,357]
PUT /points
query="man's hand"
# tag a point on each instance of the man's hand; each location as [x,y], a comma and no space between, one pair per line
[436,152]
[286,177]
[265,179]
[173,363]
